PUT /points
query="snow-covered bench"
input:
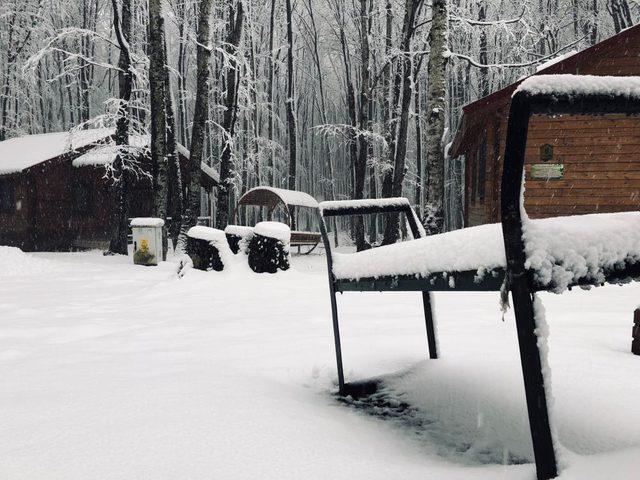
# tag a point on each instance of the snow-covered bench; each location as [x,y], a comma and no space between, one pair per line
[519,255]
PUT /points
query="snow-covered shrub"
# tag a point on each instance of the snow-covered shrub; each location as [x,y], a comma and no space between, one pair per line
[269,247]
[207,248]
[238,237]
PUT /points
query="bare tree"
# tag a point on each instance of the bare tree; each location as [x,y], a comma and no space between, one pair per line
[157,96]
[122,28]
[192,208]
[436,119]
[236,19]
[291,101]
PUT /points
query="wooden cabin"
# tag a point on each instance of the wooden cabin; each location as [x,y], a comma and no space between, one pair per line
[54,194]
[574,165]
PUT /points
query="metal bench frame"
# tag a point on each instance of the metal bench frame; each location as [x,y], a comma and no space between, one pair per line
[519,281]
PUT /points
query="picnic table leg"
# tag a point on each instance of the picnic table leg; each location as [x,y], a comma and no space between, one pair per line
[428,318]
[541,436]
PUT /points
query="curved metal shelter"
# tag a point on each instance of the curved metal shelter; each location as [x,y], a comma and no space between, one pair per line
[271,198]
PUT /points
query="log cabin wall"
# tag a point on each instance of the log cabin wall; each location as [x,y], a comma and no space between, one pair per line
[599,156]
[14,222]
[70,206]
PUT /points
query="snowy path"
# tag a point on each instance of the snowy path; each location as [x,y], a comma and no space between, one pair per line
[112,371]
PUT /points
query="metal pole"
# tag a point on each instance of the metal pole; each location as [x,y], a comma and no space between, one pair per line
[431,331]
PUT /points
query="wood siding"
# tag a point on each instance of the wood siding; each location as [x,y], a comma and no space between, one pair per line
[601,155]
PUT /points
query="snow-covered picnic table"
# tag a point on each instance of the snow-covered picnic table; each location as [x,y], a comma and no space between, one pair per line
[561,252]
[519,256]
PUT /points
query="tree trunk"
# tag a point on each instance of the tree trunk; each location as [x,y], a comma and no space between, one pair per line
[173,161]
[120,227]
[192,210]
[436,93]
[360,170]
[402,90]
[230,115]
[419,166]
[291,104]
[387,110]
[323,117]
[157,99]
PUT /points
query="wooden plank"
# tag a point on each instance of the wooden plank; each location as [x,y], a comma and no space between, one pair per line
[543,211]
[601,175]
[578,192]
[587,150]
[574,200]
[565,138]
[619,60]
[595,184]
[587,158]
[604,166]
[598,167]
[551,136]
[581,123]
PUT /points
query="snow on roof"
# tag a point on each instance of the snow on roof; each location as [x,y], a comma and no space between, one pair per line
[581,85]
[210,171]
[276,230]
[561,250]
[18,154]
[106,154]
[290,197]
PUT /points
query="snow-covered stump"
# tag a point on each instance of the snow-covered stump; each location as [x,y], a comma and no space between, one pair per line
[238,237]
[269,247]
[207,247]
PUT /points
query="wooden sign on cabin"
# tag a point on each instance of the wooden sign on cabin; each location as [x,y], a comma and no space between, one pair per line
[547,171]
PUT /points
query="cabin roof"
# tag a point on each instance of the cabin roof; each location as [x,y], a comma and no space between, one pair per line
[21,153]
[475,113]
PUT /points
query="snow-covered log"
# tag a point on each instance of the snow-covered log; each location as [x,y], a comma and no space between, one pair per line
[269,247]
[238,237]
[208,248]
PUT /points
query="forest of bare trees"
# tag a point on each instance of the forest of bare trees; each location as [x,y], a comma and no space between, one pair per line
[339,99]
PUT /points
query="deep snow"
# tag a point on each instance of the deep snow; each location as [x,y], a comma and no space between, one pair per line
[111,371]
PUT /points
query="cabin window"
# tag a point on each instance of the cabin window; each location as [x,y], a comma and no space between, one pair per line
[7,197]
[82,198]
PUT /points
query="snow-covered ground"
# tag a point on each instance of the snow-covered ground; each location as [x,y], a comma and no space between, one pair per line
[114,371]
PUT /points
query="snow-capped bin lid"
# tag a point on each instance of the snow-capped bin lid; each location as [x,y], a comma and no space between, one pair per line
[207,233]
[276,230]
[147,222]
[238,230]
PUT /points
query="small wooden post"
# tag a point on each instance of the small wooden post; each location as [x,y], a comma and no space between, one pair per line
[635,344]
[431,331]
